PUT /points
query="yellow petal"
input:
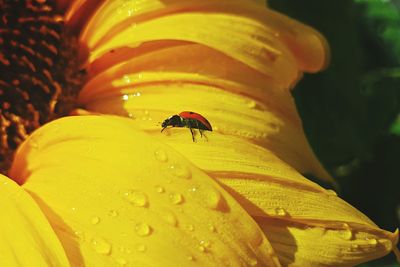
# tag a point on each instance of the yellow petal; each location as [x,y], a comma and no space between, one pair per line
[298,218]
[152,59]
[255,36]
[115,195]
[304,245]
[158,84]
[26,237]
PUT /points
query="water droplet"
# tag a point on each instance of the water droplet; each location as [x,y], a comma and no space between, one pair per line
[170,218]
[176,198]
[127,79]
[95,220]
[143,229]
[251,104]
[193,189]
[180,171]
[101,246]
[113,213]
[191,258]
[121,261]
[204,246]
[190,227]
[205,243]
[372,241]
[161,155]
[80,235]
[331,192]
[280,211]
[136,198]
[34,144]
[212,228]
[125,97]
[73,209]
[141,248]
[253,262]
[347,234]
[213,199]
[160,189]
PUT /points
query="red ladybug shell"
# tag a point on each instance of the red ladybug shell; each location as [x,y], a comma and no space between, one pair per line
[196,116]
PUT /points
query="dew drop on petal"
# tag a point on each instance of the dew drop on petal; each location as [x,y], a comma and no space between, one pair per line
[121,261]
[95,220]
[251,104]
[372,241]
[347,234]
[253,262]
[205,244]
[34,144]
[141,248]
[213,199]
[127,79]
[190,227]
[331,192]
[180,171]
[212,228]
[176,198]
[142,229]
[101,246]
[113,213]
[280,211]
[136,198]
[80,235]
[160,189]
[190,258]
[161,155]
[170,218]
[193,189]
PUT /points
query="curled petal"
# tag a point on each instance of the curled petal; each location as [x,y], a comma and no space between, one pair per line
[26,237]
[115,195]
[234,98]
[304,245]
[258,37]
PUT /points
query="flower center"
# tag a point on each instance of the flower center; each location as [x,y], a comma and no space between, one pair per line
[39,78]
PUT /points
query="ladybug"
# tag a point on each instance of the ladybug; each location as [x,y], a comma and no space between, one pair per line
[189,119]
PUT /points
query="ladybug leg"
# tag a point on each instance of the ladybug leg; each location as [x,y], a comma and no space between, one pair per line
[191,130]
[198,127]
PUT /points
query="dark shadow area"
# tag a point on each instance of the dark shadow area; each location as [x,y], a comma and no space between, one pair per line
[349,110]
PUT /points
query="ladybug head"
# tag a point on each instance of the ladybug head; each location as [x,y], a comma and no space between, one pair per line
[174,121]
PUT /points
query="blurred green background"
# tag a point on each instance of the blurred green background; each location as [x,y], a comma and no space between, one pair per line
[351,111]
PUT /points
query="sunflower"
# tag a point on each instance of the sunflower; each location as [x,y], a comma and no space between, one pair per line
[106,188]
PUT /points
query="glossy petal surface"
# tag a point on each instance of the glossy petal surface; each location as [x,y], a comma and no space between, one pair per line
[115,195]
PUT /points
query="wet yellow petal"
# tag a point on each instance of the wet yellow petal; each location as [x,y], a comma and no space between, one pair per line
[304,245]
[255,36]
[26,237]
[114,195]
[294,215]
[152,59]
[158,84]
